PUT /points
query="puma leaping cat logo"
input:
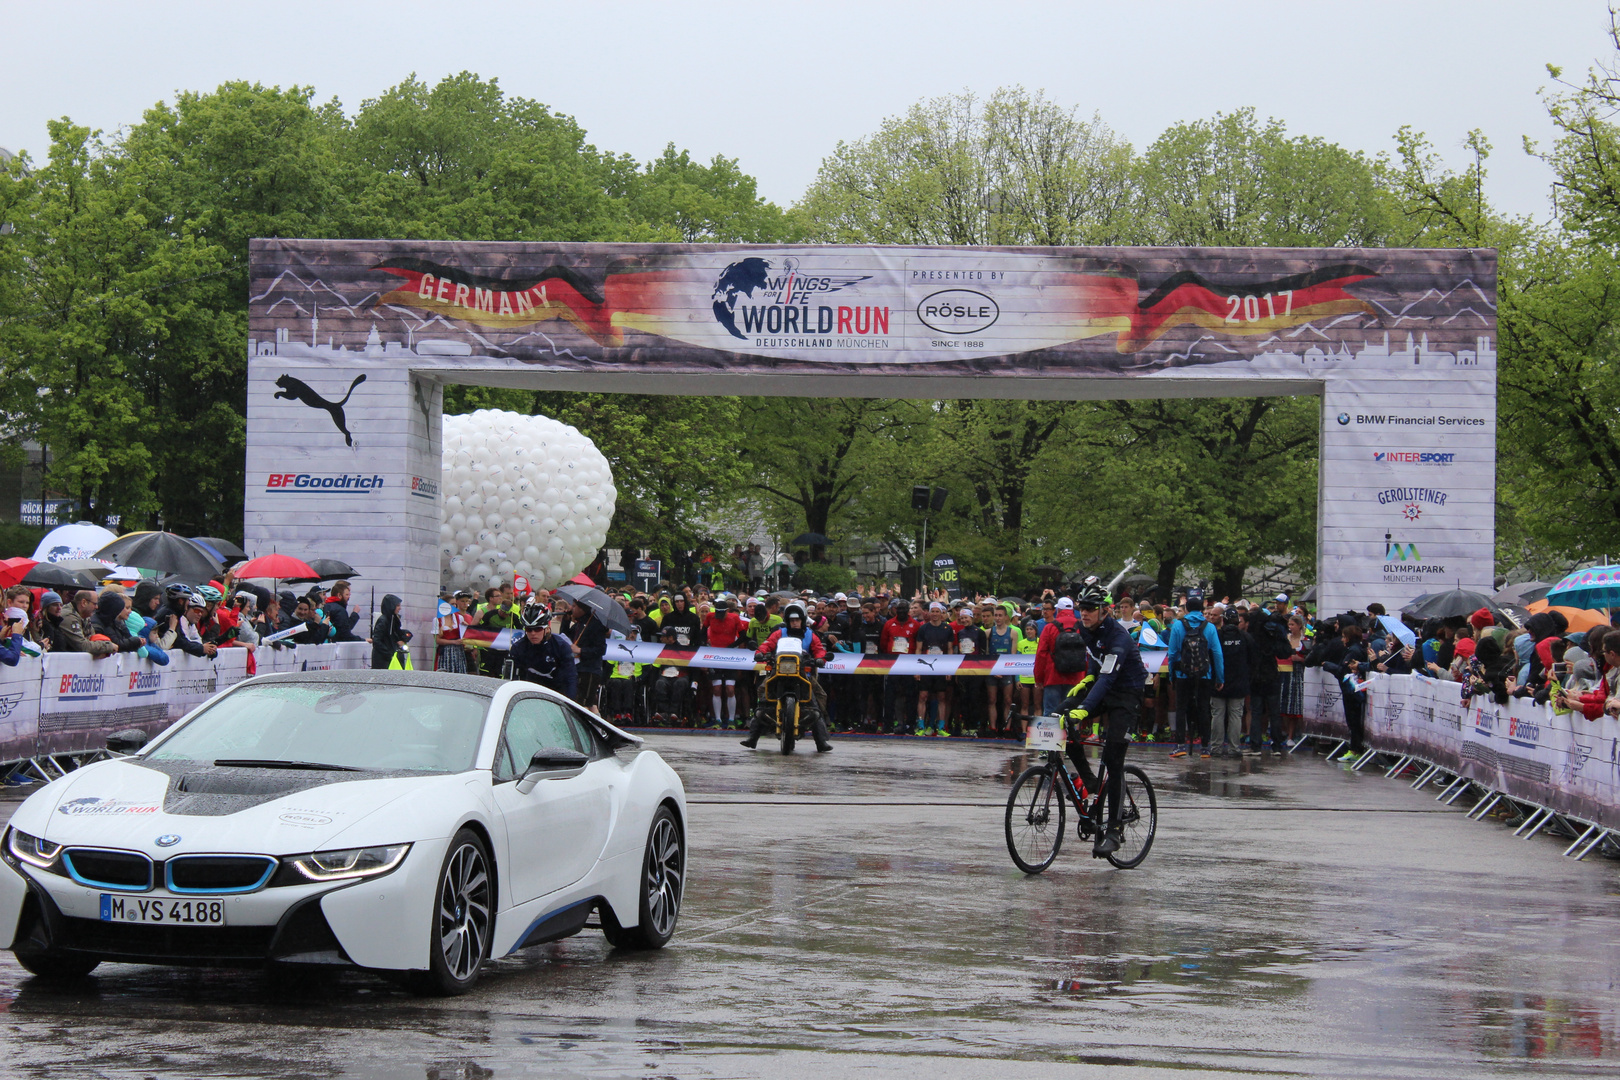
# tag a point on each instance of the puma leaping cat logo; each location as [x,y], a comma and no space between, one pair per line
[297,390]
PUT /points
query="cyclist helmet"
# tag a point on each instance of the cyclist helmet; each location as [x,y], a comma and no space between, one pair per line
[1093,595]
[534,617]
[209,593]
[793,611]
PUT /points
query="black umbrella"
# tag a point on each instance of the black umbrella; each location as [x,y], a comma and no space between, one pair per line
[601,604]
[228,552]
[1310,596]
[811,539]
[1525,592]
[786,594]
[1451,604]
[50,576]
[164,552]
[329,570]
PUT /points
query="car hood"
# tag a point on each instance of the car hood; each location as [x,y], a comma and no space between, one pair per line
[199,807]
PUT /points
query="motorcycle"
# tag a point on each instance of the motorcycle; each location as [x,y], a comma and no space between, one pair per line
[786,696]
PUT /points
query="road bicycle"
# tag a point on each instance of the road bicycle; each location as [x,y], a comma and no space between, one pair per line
[1037,812]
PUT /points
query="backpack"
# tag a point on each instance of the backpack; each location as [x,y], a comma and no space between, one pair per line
[1194,659]
[1069,650]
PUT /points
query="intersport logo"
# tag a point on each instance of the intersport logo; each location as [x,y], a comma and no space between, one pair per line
[1413,457]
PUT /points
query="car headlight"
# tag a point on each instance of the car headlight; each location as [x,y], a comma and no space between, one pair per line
[33,850]
[339,865]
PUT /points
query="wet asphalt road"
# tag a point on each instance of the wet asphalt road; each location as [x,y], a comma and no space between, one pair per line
[857,914]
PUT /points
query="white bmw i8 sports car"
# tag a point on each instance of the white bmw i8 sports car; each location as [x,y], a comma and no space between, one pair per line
[407,822]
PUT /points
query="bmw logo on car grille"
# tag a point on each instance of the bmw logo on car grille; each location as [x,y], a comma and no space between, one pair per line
[168,840]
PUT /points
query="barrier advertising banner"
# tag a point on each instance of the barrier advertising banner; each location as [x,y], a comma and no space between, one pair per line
[65,703]
[1533,753]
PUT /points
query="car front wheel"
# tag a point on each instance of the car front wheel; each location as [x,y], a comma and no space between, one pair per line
[462,915]
[663,881]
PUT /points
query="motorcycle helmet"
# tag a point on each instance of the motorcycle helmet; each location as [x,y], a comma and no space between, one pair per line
[534,617]
[793,611]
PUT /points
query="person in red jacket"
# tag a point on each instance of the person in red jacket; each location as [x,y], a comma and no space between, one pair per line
[899,635]
[1054,683]
[1595,702]
[723,628]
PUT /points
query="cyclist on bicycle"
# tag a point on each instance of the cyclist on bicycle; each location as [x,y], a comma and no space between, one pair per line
[1112,691]
[540,656]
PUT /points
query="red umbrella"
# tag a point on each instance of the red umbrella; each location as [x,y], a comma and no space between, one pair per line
[275,566]
[581,579]
[12,571]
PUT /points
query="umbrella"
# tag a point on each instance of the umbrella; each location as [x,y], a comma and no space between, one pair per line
[12,571]
[1310,596]
[601,604]
[1451,604]
[1138,580]
[1578,618]
[77,541]
[329,570]
[283,567]
[161,551]
[1525,592]
[1402,632]
[1046,568]
[50,576]
[1594,587]
[228,552]
[812,539]
[581,579]
[786,594]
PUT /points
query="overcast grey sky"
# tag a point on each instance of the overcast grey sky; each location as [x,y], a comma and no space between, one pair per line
[777,85]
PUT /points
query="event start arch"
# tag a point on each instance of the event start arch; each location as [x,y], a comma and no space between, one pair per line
[351,343]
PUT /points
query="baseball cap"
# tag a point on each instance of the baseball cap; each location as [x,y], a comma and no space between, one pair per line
[1280,598]
[839,596]
[936,606]
[1064,604]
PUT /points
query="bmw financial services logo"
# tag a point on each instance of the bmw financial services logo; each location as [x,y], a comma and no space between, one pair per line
[1344,419]
[167,840]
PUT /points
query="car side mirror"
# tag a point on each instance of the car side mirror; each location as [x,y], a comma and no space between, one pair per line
[552,764]
[127,741]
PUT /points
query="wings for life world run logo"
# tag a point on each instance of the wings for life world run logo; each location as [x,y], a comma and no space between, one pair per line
[786,308]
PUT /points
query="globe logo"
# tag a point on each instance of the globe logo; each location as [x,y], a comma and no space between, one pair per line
[1344,418]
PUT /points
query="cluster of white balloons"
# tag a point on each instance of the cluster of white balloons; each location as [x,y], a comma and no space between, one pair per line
[522,495]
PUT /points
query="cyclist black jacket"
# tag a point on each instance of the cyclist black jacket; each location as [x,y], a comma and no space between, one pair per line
[1115,661]
[550,663]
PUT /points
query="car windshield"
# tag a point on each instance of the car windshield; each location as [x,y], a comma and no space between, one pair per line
[347,725]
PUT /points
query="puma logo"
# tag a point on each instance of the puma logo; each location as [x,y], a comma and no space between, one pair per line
[298,390]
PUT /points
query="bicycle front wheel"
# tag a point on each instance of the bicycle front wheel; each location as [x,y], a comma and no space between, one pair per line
[1035,819]
[1138,818]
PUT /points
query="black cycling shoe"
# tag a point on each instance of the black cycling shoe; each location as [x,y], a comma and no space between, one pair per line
[750,742]
[822,748]
[1109,843]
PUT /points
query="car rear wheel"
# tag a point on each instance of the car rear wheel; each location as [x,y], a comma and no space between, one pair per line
[663,881]
[462,915]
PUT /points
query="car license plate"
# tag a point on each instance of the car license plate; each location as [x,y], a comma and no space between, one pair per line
[162,911]
[1046,733]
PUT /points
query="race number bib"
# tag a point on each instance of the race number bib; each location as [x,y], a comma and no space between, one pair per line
[901,645]
[671,673]
[966,647]
[871,648]
[1045,733]
[626,671]
[935,650]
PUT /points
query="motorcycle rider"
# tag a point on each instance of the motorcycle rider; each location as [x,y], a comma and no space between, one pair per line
[541,656]
[1113,691]
[795,624]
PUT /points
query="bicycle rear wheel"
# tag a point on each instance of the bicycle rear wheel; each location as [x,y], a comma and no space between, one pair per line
[1035,818]
[1139,819]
